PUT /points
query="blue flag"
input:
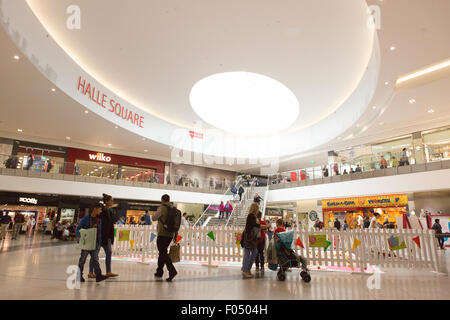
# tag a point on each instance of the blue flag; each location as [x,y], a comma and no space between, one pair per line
[152,236]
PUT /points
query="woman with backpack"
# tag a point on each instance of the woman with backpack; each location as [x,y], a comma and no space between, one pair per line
[228,209]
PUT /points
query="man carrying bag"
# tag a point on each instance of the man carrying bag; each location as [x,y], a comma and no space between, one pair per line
[169,220]
[89,236]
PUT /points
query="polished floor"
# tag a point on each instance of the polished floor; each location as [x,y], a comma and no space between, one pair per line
[35,268]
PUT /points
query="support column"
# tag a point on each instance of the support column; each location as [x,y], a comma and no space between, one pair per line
[418,147]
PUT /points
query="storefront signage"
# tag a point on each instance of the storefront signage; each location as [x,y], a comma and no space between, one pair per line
[28,200]
[113,106]
[375,201]
[194,134]
[99,157]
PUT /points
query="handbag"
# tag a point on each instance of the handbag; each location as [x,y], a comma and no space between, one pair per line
[174,253]
[88,239]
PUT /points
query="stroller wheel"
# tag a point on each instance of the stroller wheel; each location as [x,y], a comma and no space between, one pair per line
[281,276]
[305,276]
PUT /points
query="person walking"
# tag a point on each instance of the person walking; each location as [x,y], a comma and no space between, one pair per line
[228,209]
[91,220]
[257,198]
[234,191]
[241,192]
[221,210]
[109,218]
[337,224]
[164,238]
[19,219]
[438,228]
[404,160]
[31,223]
[259,260]
[250,240]
[5,220]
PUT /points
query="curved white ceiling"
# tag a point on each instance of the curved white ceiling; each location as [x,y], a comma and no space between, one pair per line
[149,55]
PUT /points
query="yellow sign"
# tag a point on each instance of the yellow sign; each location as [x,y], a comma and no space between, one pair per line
[369,202]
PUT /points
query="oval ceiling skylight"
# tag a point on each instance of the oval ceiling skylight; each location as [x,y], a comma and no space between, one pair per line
[244,103]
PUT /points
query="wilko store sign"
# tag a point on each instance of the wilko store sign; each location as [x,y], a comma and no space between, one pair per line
[99,157]
[28,200]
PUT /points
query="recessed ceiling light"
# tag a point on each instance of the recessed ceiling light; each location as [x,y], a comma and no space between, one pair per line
[85,111]
[115,127]
[109,144]
[386,83]
[392,48]
[16,57]
[68,138]
[53,89]
[374,107]
[430,110]
[20,130]
[145,150]
[412,101]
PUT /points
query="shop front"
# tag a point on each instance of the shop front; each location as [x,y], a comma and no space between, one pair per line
[353,210]
[112,166]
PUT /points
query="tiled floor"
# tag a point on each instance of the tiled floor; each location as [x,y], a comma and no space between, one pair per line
[35,268]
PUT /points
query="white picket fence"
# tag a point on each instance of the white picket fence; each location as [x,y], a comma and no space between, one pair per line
[373,250]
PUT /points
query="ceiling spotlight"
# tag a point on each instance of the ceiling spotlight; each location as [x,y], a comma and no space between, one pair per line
[412,101]
[374,107]
[431,111]
[20,130]
[53,89]
[109,144]
[145,150]
[68,138]
[85,111]
[392,48]
[16,57]
[116,127]
[386,83]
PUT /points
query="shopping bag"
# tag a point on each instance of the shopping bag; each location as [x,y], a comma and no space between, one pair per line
[174,253]
[88,239]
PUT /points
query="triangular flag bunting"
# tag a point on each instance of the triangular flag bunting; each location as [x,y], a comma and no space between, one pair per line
[356,243]
[239,245]
[179,238]
[211,235]
[328,244]
[152,237]
[115,233]
[393,241]
[132,244]
[299,243]
[417,241]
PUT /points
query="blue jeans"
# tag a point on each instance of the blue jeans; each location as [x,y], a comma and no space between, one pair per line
[94,260]
[108,253]
[249,258]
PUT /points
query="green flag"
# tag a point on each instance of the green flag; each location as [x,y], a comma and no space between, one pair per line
[211,235]
[328,244]
[115,233]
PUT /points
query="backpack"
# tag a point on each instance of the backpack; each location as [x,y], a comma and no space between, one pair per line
[173,220]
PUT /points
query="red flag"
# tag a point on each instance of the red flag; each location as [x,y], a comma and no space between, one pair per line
[179,238]
[417,241]
[299,243]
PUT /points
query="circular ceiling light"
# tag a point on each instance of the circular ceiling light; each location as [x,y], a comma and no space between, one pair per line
[244,103]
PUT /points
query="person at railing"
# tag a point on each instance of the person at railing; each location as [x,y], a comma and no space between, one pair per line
[257,198]
[345,226]
[404,160]
[241,192]
[184,221]
[383,163]
[325,172]
[318,225]
[164,239]
[394,162]
[345,171]
[337,224]
[221,210]
[336,169]
[147,219]
[358,168]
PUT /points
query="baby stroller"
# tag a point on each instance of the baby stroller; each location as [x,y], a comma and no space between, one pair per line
[287,258]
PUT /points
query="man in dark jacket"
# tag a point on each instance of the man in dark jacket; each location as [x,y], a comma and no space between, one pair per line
[19,220]
[164,239]
[241,192]
[257,198]
[109,217]
[337,224]
[438,228]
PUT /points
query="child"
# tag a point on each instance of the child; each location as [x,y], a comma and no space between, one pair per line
[279,227]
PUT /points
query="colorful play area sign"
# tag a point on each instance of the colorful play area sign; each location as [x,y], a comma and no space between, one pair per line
[124,235]
[318,241]
[366,202]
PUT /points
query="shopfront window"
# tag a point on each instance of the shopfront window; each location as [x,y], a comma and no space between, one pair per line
[96,169]
[139,174]
[437,145]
